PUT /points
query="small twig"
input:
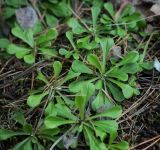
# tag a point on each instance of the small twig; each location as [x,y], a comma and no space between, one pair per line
[151,144]
[7,62]
[136,104]
[145,142]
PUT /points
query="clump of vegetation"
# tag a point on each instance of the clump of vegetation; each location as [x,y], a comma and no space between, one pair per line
[77,97]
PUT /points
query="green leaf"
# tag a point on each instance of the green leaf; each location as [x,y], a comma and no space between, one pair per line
[131,57]
[116,92]
[94,142]
[127,90]
[69,35]
[69,102]
[130,68]
[30,59]
[117,73]
[19,117]
[51,109]
[76,86]
[99,84]
[54,122]
[35,100]
[80,67]
[26,36]
[86,43]
[109,7]
[114,112]
[42,77]
[4,43]
[76,55]
[100,133]
[147,65]
[21,144]
[71,74]
[61,9]
[51,20]
[95,10]
[64,111]
[65,52]
[19,51]
[128,10]
[107,126]
[38,27]
[28,145]
[123,145]
[94,61]
[49,132]
[57,66]
[106,45]
[48,52]
[76,27]
[16,3]
[45,45]
[50,35]
[98,101]
[39,146]
[106,20]
[5,134]
[27,128]
[8,12]
[83,97]
[121,32]
[53,1]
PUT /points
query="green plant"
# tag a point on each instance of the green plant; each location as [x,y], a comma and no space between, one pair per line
[117,78]
[31,137]
[95,127]
[60,110]
[122,21]
[81,102]
[33,45]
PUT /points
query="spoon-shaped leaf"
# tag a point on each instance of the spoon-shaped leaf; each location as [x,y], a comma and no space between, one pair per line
[80,67]
[114,112]
[26,36]
[57,66]
[93,60]
[131,57]
[109,7]
[127,90]
[106,45]
[30,59]
[69,35]
[5,134]
[35,100]
[54,122]
[18,50]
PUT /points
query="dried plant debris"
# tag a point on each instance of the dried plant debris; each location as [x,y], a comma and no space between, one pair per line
[116,52]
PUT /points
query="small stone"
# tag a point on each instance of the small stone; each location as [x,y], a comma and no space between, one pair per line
[156,9]
[116,52]
[26,17]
